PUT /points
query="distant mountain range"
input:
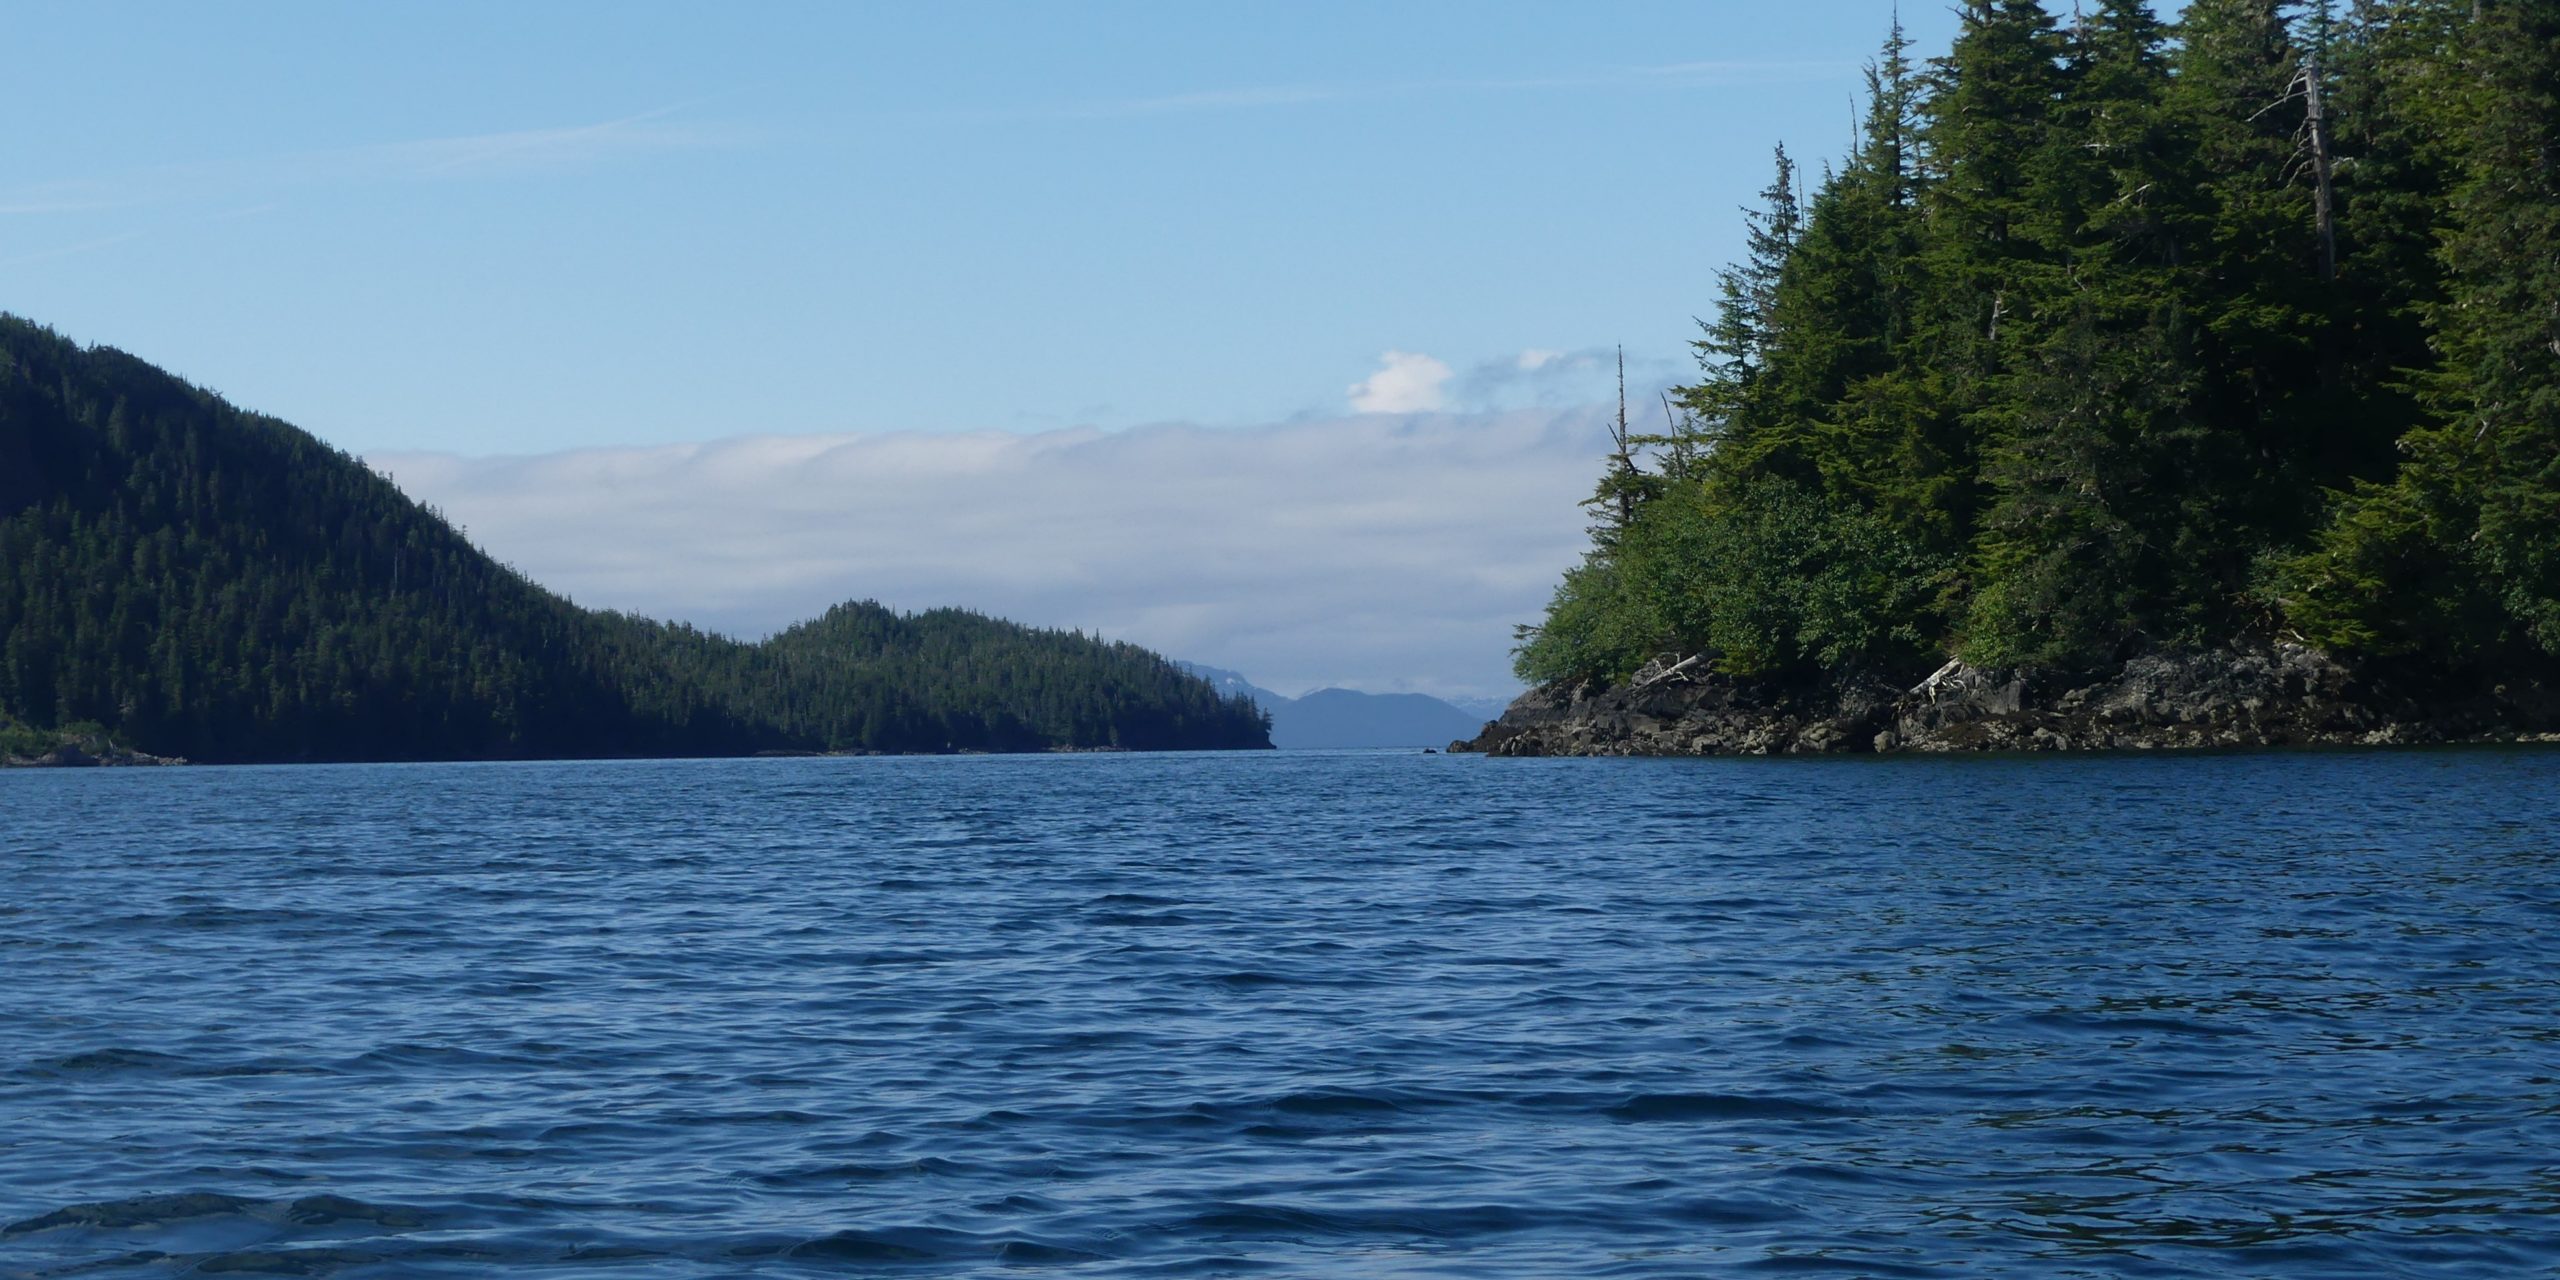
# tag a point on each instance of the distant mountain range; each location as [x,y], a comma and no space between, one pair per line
[1348,718]
[1481,708]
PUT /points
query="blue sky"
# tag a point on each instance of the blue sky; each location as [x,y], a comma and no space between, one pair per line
[466,230]
[512,227]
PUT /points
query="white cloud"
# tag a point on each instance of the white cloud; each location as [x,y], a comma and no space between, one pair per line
[1404,383]
[1555,378]
[1376,551]
[1678,74]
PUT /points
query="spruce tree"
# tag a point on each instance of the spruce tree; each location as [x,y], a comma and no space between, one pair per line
[2095,535]
[1849,299]
[1989,161]
[2264,308]
[1734,401]
[2496,391]
[2454,561]
[2392,63]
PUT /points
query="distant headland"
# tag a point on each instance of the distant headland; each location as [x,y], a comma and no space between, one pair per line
[182,578]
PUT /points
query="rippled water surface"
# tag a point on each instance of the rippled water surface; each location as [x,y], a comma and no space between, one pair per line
[1286,1015]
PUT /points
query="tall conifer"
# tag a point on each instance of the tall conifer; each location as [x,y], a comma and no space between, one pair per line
[1852,289]
[1988,155]
[2094,536]
[2496,392]
[1734,402]
[2264,307]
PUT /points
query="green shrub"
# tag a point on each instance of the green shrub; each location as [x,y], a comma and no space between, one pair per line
[1768,577]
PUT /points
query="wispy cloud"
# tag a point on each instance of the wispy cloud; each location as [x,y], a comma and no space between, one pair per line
[1552,378]
[1537,378]
[1739,71]
[1665,75]
[70,250]
[1218,100]
[539,149]
[257,178]
[72,195]
[1377,551]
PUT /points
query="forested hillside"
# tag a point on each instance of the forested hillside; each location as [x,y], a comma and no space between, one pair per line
[2111,336]
[207,582]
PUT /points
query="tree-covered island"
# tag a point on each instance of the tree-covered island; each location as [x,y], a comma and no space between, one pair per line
[2128,384]
[182,577]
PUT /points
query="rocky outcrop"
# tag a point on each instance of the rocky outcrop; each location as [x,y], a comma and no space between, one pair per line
[72,755]
[2281,694]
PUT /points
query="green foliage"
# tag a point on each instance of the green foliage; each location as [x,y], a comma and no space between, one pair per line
[2130,334]
[1735,407]
[1773,579]
[1592,629]
[1776,580]
[2098,534]
[218,585]
[26,742]
[2384,578]
[18,741]
[2460,553]
[2496,393]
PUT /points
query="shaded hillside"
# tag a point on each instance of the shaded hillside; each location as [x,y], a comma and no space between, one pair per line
[208,582]
[860,675]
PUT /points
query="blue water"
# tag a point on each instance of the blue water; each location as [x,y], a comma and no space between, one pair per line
[1286,1015]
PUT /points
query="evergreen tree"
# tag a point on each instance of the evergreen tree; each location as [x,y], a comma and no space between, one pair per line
[2498,329]
[2161,335]
[2457,556]
[2095,535]
[1733,405]
[2392,63]
[1852,291]
[1990,182]
[205,582]
[2264,307]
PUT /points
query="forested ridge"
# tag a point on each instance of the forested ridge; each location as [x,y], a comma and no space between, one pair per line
[201,581]
[2111,335]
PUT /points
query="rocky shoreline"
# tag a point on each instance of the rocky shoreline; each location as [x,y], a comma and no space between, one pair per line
[2273,695]
[72,755]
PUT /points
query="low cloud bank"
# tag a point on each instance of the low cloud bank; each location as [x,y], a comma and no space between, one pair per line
[1380,551]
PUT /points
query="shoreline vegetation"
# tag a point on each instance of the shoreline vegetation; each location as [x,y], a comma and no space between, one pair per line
[181,578]
[68,747]
[2129,384]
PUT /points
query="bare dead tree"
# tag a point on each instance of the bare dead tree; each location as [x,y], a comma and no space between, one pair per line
[1680,445]
[2315,128]
[1624,489]
[2314,151]
[1624,439]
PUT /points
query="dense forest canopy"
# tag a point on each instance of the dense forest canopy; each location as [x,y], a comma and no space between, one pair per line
[2111,334]
[196,580]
